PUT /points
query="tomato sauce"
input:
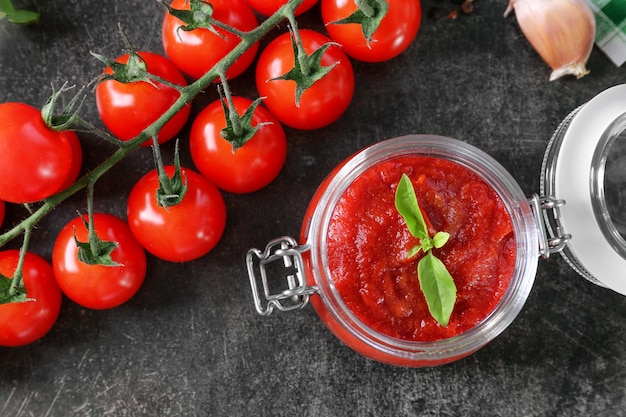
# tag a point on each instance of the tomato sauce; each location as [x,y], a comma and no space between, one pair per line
[368,243]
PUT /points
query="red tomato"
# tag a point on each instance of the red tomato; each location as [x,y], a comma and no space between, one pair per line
[77,159]
[37,161]
[182,232]
[252,166]
[320,104]
[24,323]
[195,52]
[127,109]
[269,7]
[395,33]
[99,286]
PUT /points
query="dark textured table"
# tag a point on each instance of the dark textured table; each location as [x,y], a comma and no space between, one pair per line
[190,343]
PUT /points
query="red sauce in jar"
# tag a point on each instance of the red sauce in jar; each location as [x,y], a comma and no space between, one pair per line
[368,242]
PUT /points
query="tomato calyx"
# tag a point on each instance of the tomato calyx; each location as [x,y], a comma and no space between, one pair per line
[69,114]
[10,293]
[95,251]
[369,15]
[198,16]
[135,70]
[13,290]
[307,68]
[172,189]
[239,129]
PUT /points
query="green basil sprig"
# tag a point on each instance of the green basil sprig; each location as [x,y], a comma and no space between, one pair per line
[435,281]
[21,17]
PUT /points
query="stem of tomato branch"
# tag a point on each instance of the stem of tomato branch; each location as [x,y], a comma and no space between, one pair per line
[90,128]
[91,228]
[235,120]
[301,56]
[126,148]
[227,28]
[158,161]
[17,281]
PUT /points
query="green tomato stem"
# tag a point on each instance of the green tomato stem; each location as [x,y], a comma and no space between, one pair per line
[231,29]
[301,56]
[91,232]
[232,114]
[17,281]
[90,128]
[158,159]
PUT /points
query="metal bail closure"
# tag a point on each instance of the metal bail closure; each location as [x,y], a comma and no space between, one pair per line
[290,268]
[552,238]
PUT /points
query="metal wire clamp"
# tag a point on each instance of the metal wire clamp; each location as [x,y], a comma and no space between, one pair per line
[296,294]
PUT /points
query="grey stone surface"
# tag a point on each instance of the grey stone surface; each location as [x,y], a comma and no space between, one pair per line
[190,343]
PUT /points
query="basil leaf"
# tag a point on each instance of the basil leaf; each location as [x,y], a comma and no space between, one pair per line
[438,287]
[22,17]
[440,239]
[407,206]
[414,251]
[6,6]
[436,283]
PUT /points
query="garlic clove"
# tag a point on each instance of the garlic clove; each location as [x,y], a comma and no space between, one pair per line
[561,31]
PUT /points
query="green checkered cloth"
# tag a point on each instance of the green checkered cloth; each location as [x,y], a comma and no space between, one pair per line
[610,28]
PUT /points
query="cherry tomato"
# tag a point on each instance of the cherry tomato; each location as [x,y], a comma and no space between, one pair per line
[395,33]
[320,104]
[269,7]
[98,286]
[37,161]
[127,109]
[25,322]
[250,167]
[77,159]
[195,52]
[179,233]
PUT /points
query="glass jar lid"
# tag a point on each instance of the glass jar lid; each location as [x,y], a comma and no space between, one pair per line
[585,165]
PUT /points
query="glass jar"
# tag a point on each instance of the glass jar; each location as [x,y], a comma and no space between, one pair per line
[585,165]
[289,273]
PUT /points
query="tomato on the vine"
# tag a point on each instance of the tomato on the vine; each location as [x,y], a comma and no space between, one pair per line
[320,104]
[127,109]
[196,51]
[37,160]
[25,322]
[269,7]
[98,286]
[181,232]
[248,168]
[395,33]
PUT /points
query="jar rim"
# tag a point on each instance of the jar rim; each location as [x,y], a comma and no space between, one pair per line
[493,174]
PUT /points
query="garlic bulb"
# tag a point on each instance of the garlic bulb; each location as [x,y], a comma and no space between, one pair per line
[561,31]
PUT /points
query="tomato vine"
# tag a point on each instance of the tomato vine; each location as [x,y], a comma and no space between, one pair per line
[70,118]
